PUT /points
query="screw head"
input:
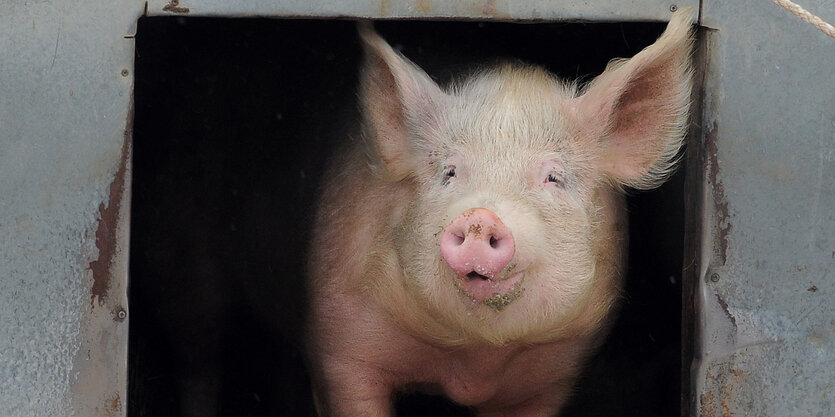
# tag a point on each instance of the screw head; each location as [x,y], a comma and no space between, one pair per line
[125,72]
[121,314]
[714,277]
[673,8]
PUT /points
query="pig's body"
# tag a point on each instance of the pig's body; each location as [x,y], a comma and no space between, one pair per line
[402,296]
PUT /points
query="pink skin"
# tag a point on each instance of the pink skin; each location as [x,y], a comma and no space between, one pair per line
[478,247]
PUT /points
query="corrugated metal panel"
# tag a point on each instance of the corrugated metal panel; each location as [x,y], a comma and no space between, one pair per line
[609,10]
[65,94]
[766,320]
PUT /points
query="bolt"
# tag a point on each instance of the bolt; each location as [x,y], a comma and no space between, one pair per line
[125,72]
[714,277]
[673,8]
[121,314]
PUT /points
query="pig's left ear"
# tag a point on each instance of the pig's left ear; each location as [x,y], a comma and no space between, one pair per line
[637,109]
[398,101]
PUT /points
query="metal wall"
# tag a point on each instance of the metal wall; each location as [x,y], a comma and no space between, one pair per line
[765,317]
[608,10]
[763,251]
[65,100]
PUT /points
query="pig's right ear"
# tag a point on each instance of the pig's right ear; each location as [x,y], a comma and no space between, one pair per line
[397,99]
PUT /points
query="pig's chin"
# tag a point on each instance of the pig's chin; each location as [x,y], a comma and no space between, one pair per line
[496,293]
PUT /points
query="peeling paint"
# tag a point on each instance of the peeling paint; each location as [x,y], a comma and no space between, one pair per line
[724,305]
[99,384]
[174,7]
[722,218]
[107,224]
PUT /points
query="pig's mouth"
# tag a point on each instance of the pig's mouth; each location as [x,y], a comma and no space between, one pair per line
[476,275]
[496,293]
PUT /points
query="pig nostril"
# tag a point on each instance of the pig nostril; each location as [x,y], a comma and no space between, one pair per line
[474,275]
[494,243]
[457,240]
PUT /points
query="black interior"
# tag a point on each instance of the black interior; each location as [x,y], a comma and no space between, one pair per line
[234,119]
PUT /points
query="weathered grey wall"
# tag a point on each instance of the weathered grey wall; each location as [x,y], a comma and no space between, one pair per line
[64,189]
[766,317]
[605,10]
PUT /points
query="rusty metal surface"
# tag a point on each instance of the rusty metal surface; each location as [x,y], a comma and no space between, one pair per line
[608,10]
[65,93]
[765,316]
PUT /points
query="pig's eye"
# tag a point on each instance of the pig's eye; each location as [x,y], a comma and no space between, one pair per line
[555,179]
[449,173]
[552,175]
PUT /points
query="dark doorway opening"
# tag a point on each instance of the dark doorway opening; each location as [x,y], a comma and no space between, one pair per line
[234,119]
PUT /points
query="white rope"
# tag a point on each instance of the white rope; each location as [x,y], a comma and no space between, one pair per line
[802,13]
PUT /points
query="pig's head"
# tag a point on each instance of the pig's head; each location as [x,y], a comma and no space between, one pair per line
[509,232]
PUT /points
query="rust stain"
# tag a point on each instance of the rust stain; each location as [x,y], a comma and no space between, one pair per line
[726,411]
[174,7]
[723,224]
[113,406]
[721,385]
[109,222]
[708,406]
[384,5]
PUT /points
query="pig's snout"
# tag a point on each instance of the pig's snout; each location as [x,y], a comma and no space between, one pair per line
[477,244]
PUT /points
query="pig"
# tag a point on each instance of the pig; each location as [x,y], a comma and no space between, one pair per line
[471,242]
